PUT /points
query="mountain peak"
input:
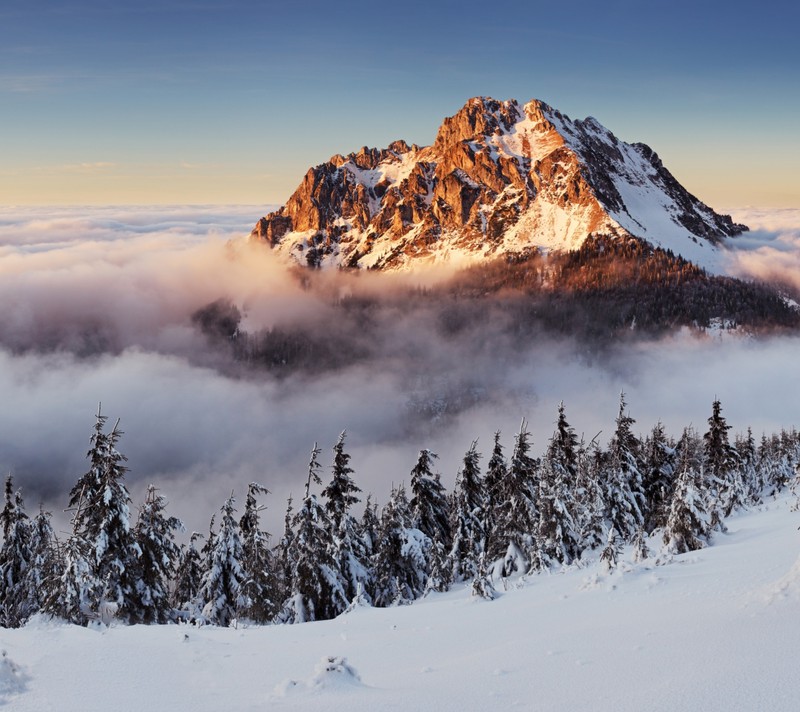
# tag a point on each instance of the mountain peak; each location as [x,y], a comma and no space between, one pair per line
[500,178]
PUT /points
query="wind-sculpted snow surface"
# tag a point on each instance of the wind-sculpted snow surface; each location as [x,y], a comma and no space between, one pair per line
[693,631]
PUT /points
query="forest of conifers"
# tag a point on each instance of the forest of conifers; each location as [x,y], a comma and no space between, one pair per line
[513,516]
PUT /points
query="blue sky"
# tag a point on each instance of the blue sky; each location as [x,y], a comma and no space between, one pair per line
[203,101]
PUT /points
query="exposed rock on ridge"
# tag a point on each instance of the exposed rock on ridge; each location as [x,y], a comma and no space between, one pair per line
[499,178]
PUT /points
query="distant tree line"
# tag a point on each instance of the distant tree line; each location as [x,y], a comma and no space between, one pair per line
[609,284]
[517,515]
[607,288]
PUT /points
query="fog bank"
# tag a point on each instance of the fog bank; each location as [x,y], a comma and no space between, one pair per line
[98,307]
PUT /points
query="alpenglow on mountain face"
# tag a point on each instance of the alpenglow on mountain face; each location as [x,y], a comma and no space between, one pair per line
[499,179]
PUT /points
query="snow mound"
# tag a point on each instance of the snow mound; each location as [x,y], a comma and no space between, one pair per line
[12,678]
[44,621]
[785,588]
[331,674]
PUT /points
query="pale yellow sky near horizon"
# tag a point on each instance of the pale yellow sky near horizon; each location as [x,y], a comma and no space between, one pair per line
[107,183]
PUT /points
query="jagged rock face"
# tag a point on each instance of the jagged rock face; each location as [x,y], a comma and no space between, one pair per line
[499,178]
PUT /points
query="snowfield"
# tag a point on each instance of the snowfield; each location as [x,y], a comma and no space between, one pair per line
[715,629]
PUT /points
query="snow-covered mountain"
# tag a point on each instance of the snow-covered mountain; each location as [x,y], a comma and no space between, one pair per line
[500,178]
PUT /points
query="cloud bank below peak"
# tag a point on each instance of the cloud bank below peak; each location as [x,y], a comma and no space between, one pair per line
[98,306]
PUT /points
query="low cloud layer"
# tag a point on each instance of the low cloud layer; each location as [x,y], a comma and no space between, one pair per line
[771,250]
[98,306]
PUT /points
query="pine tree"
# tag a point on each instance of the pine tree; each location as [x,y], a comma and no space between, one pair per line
[558,538]
[517,515]
[752,475]
[624,490]
[286,553]
[317,592]
[468,518]
[429,506]
[221,588]
[368,528]
[440,572]
[589,495]
[101,506]
[610,554]
[15,559]
[75,597]
[400,562]
[640,550]
[494,483]
[189,579]
[341,491]
[43,567]
[482,586]
[688,524]
[779,457]
[658,476]
[348,550]
[259,586]
[155,535]
[721,467]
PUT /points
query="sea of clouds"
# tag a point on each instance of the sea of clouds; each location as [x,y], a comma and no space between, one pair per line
[97,306]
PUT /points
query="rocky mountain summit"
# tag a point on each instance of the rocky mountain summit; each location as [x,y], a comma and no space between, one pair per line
[499,179]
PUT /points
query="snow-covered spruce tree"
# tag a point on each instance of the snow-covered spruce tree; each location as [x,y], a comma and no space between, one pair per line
[752,474]
[558,537]
[688,524]
[259,586]
[658,475]
[624,490]
[155,534]
[43,567]
[101,506]
[640,549]
[285,552]
[221,596]
[188,579]
[794,488]
[348,550]
[400,572]
[76,593]
[317,591]
[589,495]
[494,482]
[15,558]
[430,516]
[440,568]
[368,528]
[724,484]
[609,556]
[517,515]
[790,444]
[482,586]
[341,491]
[468,518]
[780,456]
[429,505]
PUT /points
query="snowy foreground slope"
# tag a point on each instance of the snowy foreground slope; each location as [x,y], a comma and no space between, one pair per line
[716,629]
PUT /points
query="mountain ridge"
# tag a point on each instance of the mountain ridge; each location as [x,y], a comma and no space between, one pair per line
[499,179]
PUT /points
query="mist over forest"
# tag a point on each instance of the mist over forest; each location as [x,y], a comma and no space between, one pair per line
[225,367]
